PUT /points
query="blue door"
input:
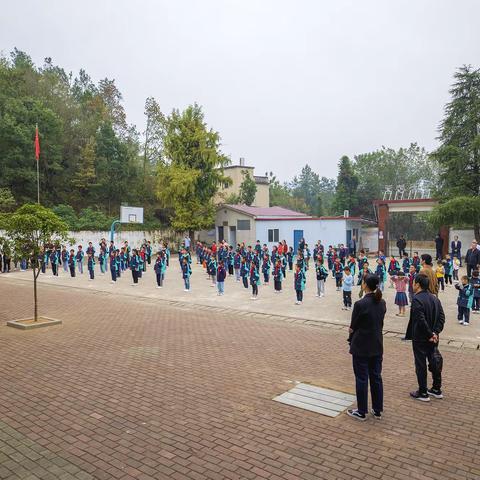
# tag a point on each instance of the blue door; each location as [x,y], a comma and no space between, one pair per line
[297,236]
[349,237]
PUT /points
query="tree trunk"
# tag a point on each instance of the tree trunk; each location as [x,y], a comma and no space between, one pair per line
[35,300]
[476,231]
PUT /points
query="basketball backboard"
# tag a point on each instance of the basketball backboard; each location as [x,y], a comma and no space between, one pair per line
[131,214]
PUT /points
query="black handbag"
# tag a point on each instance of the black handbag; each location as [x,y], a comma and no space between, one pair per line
[436,363]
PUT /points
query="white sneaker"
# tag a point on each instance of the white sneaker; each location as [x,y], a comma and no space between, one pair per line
[112,282]
[158,286]
[186,290]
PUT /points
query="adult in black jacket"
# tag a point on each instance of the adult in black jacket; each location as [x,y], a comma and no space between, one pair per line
[401,245]
[425,324]
[366,347]
[456,247]
[472,258]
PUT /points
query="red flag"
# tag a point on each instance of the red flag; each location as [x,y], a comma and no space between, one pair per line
[37,144]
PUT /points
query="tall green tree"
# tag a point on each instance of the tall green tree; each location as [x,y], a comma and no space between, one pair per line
[410,167]
[191,170]
[346,195]
[248,189]
[459,152]
[282,196]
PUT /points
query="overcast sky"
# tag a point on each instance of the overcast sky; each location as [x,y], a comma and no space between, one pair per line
[284,82]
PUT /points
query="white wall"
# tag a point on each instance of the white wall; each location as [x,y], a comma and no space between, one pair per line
[286,228]
[332,232]
[369,239]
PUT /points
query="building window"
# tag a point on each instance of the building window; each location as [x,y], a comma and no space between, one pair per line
[273,235]
[243,224]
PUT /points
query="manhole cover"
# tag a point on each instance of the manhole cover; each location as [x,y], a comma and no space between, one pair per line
[316,399]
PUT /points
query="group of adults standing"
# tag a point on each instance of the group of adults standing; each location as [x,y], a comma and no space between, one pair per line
[366,341]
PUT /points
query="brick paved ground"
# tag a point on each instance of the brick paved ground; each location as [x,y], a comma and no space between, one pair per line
[136,389]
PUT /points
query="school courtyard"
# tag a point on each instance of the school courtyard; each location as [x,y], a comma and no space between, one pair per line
[145,383]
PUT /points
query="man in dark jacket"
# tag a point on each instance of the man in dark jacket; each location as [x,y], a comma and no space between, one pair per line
[401,245]
[472,258]
[456,247]
[426,323]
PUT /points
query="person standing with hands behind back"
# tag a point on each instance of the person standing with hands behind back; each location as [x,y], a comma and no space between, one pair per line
[425,325]
[366,348]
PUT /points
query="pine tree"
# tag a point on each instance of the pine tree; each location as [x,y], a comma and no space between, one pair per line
[346,190]
[459,153]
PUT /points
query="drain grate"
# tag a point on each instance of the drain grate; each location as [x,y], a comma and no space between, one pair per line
[316,399]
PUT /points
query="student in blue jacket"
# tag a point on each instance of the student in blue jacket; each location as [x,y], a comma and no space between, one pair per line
[244,272]
[113,267]
[186,272]
[159,268]
[221,275]
[72,260]
[464,300]
[91,266]
[299,283]
[254,280]
[266,269]
[79,259]
[134,264]
[347,284]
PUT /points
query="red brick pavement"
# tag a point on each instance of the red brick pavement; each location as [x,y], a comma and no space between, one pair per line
[135,389]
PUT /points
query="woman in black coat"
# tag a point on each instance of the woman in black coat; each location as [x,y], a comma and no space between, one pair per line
[366,347]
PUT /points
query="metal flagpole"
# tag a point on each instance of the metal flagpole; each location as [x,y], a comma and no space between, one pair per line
[38,184]
[37,158]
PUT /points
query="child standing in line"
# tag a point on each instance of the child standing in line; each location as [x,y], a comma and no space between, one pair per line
[299,283]
[118,262]
[347,284]
[400,281]
[448,266]
[230,257]
[322,274]
[134,265]
[277,276]
[212,270]
[405,264]
[254,280]
[475,282]
[266,269]
[237,262]
[221,274]
[79,259]
[71,262]
[186,272]
[64,256]
[456,268]
[54,262]
[91,266]
[244,271]
[464,301]
[381,273]
[159,270]
[290,258]
[337,273]
[101,261]
[113,267]
[440,274]
[411,279]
